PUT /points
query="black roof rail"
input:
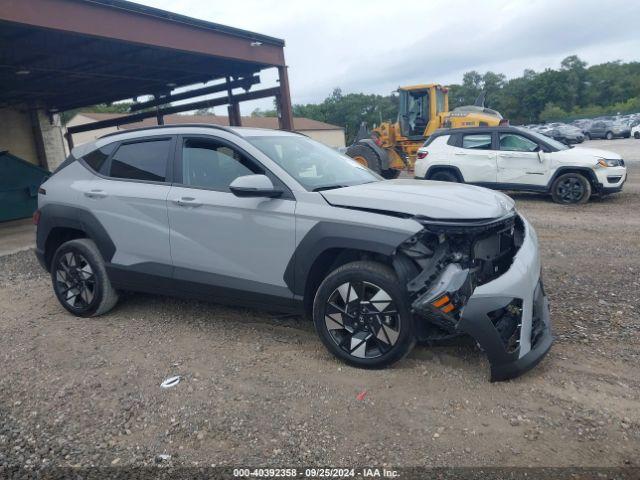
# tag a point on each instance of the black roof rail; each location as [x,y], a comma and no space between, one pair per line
[172,125]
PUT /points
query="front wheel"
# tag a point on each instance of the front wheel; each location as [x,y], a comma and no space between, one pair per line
[571,188]
[636,135]
[609,136]
[80,279]
[362,315]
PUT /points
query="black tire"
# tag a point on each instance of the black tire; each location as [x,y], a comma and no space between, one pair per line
[390,174]
[608,136]
[571,188]
[80,279]
[373,333]
[587,136]
[636,135]
[365,154]
[443,176]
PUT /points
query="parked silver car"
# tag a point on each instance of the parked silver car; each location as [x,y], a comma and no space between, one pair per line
[275,220]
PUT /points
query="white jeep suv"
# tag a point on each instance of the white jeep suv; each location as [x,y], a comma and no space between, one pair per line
[516,158]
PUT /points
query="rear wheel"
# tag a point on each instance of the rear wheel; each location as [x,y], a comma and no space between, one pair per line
[609,136]
[636,135]
[362,315]
[444,176]
[571,188]
[365,155]
[80,280]
[390,174]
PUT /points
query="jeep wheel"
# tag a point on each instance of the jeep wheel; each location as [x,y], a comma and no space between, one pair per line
[571,188]
[80,280]
[362,315]
[364,156]
[636,135]
[444,176]
[609,136]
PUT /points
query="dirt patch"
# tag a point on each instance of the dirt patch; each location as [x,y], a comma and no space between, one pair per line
[259,389]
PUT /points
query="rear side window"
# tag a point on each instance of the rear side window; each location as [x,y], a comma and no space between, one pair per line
[96,159]
[141,161]
[477,141]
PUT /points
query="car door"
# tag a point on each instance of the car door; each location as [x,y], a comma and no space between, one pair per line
[236,248]
[475,158]
[128,197]
[519,162]
[597,130]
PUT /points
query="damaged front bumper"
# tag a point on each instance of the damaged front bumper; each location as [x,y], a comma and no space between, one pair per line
[509,316]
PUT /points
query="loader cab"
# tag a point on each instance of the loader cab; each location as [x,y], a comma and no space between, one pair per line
[413,114]
[418,106]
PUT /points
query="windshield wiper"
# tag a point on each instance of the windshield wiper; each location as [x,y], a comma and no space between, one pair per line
[328,187]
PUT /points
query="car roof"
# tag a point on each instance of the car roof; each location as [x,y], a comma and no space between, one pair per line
[500,128]
[182,129]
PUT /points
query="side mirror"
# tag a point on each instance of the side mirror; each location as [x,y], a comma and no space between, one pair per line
[254,186]
[541,156]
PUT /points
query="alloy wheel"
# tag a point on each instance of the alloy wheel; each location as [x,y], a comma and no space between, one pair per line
[75,280]
[362,319]
[570,190]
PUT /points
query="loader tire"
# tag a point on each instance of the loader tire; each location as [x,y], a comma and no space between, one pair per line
[366,156]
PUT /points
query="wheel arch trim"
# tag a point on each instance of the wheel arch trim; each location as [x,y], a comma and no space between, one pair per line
[434,168]
[76,218]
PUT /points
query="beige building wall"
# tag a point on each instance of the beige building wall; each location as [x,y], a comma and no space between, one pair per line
[331,138]
[16,134]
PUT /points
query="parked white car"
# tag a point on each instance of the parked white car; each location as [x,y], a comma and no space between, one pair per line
[516,158]
[635,132]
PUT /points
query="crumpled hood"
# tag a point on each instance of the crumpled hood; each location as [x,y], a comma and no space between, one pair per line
[438,200]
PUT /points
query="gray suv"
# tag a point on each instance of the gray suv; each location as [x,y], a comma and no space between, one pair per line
[272,219]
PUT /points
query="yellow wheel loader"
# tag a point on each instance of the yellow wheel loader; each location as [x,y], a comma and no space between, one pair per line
[391,147]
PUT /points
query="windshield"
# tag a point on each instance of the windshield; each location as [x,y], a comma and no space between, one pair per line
[548,140]
[313,165]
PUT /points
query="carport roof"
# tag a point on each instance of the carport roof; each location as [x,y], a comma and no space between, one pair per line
[63,54]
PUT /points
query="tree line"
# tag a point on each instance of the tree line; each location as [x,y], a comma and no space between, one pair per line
[573,90]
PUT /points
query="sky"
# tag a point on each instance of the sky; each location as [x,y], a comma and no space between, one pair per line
[375,46]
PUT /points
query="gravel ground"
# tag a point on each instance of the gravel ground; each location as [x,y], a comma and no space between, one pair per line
[259,389]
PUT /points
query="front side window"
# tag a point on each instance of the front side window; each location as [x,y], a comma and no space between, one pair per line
[141,161]
[213,165]
[517,143]
[477,141]
[314,165]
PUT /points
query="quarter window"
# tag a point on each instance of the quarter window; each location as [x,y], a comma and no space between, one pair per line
[517,143]
[141,161]
[477,142]
[210,164]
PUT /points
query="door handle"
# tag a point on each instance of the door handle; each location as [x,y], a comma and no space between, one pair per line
[95,194]
[187,202]
[462,153]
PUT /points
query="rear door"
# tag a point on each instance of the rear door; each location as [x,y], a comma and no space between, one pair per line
[233,247]
[475,158]
[518,161]
[129,199]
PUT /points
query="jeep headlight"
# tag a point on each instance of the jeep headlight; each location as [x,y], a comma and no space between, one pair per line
[610,162]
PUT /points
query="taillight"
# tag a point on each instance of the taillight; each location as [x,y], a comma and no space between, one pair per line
[36,217]
[422,155]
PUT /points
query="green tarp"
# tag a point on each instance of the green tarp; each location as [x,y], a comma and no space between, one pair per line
[19,183]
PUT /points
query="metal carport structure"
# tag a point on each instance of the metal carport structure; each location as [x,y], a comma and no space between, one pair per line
[57,55]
